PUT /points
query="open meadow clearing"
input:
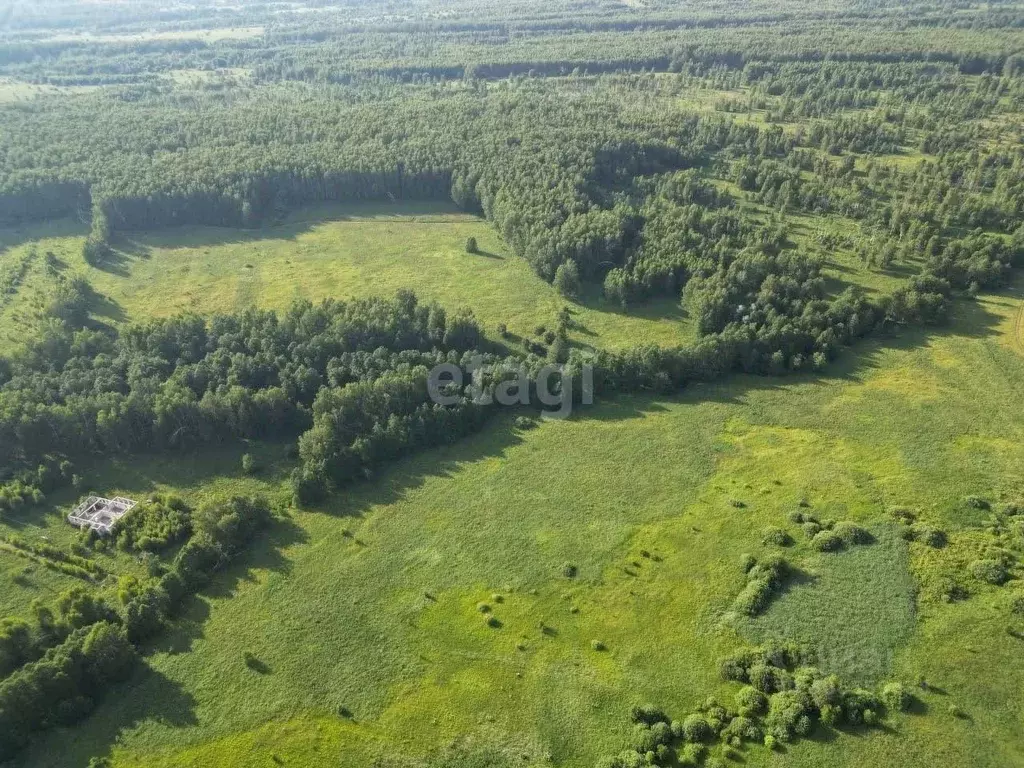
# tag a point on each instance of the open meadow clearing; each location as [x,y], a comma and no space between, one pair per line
[341,252]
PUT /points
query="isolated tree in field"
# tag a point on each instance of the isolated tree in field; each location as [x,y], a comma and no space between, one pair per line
[472,246]
[567,280]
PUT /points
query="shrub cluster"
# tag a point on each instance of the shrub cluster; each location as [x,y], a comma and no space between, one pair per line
[775,536]
[29,487]
[153,526]
[84,644]
[828,535]
[764,578]
[52,557]
[782,700]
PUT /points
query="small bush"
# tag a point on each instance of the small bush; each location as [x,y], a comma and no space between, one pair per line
[483,607]
[750,701]
[493,622]
[831,716]
[811,528]
[696,729]
[472,246]
[976,502]
[1017,605]
[648,714]
[597,645]
[692,754]
[827,541]
[990,571]
[796,516]
[852,534]
[925,534]
[776,537]
[952,590]
[569,571]
[769,679]
[826,692]
[903,515]
[743,729]
[896,697]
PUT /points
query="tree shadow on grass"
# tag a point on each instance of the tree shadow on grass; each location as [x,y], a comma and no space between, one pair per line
[264,554]
[293,225]
[393,482]
[149,696]
[106,310]
[12,236]
[488,255]
[115,262]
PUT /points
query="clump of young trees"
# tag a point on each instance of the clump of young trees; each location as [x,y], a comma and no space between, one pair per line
[783,698]
[158,523]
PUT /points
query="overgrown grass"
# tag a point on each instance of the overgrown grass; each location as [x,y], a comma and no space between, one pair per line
[370,605]
[854,609]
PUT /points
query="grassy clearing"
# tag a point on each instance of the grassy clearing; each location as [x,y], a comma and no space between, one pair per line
[381,588]
[13,91]
[202,35]
[855,609]
[22,252]
[360,251]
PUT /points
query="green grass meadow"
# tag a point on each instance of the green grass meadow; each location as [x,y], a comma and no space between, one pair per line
[332,252]
[371,605]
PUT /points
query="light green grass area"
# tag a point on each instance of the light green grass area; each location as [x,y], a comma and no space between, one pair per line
[29,289]
[372,603]
[13,91]
[202,35]
[360,251]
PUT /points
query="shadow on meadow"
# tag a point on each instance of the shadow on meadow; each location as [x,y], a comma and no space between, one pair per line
[149,696]
[12,236]
[138,245]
